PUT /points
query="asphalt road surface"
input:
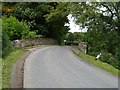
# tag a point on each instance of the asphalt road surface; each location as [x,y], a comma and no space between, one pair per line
[58,67]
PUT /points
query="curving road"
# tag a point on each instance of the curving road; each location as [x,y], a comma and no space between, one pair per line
[58,67]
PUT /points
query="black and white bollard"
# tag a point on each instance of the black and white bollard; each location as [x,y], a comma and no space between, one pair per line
[98,56]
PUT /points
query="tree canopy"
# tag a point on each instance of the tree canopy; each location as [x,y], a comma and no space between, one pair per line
[47,19]
[103,22]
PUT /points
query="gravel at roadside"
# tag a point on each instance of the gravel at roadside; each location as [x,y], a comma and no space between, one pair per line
[16,77]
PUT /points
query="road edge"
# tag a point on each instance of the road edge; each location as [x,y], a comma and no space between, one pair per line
[17,72]
[16,77]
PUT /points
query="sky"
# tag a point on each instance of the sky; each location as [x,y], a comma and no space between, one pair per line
[74,27]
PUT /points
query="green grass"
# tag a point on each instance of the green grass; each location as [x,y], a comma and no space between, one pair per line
[7,65]
[98,63]
[0,73]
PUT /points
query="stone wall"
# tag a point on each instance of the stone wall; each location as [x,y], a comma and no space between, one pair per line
[32,42]
[82,47]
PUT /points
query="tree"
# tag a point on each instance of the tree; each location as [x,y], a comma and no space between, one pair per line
[34,15]
[46,19]
[6,45]
[14,28]
[56,22]
[102,20]
[80,36]
[70,37]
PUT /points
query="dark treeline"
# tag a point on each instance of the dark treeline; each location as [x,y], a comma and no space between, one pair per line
[45,19]
[48,19]
[33,20]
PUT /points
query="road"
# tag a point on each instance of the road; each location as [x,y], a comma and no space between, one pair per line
[58,67]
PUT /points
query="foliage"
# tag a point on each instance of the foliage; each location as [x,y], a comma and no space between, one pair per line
[0,38]
[14,28]
[75,38]
[70,37]
[103,33]
[0,73]
[117,56]
[8,7]
[56,21]
[46,19]
[6,45]
[7,65]
[34,14]
[31,35]
[108,58]
[80,36]
[117,53]
[98,63]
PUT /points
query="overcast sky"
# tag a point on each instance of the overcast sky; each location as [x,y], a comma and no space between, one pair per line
[73,27]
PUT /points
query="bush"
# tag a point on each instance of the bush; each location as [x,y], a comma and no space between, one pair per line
[0,38]
[110,59]
[104,57]
[31,35]
[117,56]
[70,37]
[14,28]
[93,53]
[117,53]
[6,45]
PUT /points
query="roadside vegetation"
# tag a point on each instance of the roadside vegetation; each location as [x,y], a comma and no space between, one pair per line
[28,20]
[7,65]
[91,59]
[0,73]
[111,58]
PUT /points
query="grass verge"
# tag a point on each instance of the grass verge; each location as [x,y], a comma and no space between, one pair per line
[7,65]
[0,73]
[98,63]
